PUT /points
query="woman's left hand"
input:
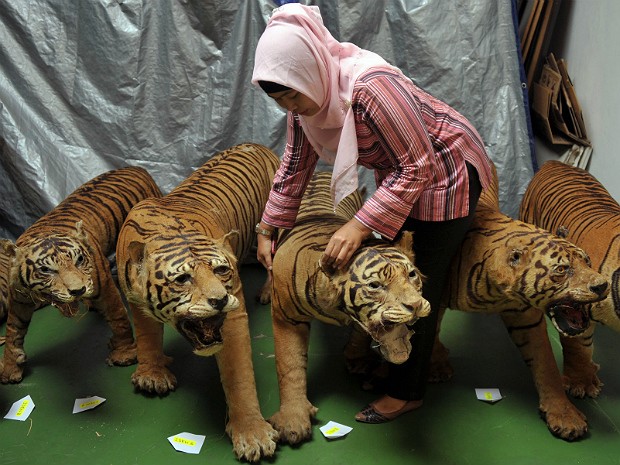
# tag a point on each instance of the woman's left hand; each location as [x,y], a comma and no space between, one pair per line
[344,243]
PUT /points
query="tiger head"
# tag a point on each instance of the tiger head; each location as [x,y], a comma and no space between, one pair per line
[530,268]
[188,282]
[56,268]
[381,290]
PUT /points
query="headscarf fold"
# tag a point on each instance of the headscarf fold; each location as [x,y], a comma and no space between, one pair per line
[296,50]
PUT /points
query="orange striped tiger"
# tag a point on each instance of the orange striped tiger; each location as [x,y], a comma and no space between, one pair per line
[569,201]
[178,262]
[379,293]
[521,271]
[61,260]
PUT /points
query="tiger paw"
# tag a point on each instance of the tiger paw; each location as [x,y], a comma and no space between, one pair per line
[264,293]
[10,373]
[294,425]
[583,388]
[154,379]
[123,355]
[567,423]
[581,380]
[440,372]
[252,439]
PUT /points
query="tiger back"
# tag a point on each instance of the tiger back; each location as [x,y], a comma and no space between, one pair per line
[178,259]
[515,269]
[569,201]
[62,260]
[379,293]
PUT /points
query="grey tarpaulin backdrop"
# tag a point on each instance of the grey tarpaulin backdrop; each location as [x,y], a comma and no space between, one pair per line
[91,85]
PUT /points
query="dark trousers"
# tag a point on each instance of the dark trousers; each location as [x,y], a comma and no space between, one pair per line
[435,244]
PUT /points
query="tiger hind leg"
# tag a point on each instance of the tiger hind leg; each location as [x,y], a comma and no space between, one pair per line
[14,358]
[123,351]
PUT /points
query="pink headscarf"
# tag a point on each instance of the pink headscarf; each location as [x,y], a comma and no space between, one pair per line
[296,50]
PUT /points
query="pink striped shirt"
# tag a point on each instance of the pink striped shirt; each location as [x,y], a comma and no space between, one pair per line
[416,145]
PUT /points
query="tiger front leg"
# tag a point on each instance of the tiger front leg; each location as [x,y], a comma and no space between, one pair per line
[528,330]
[580,371]
[151,374]
[252,436]
[294,419]
[14,358]
[122,346]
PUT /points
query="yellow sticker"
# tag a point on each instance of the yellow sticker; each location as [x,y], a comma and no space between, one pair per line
[22,407]
[90,404]
[187,442]
[333,430]
[488,396]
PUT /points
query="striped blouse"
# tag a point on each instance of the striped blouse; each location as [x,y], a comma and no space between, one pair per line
[416,145]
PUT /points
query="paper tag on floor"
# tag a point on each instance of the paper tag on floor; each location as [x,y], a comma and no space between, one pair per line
[333,430]
[21,409]
[187,442]
[488,394]
[87,403]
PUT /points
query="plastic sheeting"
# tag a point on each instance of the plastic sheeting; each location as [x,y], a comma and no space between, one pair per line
[86,87]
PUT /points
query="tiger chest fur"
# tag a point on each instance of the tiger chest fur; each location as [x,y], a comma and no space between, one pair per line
[379,293]
[178,260]
[61,260]
[570,202]
[522,272]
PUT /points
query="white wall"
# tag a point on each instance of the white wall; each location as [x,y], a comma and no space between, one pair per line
[587,36]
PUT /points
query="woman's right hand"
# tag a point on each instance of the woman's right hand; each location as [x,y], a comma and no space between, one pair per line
[263,253]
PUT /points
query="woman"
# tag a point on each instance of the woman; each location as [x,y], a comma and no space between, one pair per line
[348,106]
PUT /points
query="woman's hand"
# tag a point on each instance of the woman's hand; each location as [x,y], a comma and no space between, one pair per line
[344,243]
[263,252]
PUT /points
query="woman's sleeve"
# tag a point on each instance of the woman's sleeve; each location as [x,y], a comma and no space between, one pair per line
[390,112]
[292,177]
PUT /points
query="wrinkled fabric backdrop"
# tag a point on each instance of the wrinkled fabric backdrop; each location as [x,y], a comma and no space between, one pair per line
[93,85]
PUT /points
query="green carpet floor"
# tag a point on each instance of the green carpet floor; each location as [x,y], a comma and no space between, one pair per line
[66,361]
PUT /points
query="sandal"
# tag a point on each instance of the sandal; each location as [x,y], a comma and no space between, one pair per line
[369,415]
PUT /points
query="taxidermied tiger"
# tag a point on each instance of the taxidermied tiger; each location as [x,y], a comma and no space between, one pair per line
[61,260]
[521,271]
[178,259]
[379,292]
[570,202]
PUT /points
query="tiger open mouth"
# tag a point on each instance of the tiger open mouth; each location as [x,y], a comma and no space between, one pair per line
[569,318]
[67,309]
[393,341]
[204,334]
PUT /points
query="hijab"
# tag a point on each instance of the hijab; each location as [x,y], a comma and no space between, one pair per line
[297,51]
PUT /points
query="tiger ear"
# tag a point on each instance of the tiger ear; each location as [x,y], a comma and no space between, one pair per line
[405,243]
[229,240]
[327,270]
[8,248]
[81,233]
[136,253]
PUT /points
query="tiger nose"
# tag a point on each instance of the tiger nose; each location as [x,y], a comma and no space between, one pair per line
[600,289]
[77,292]
[218,304]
